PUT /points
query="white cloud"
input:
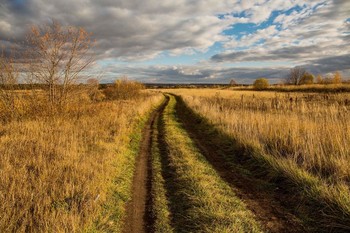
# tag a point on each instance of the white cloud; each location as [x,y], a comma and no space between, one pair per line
[131,30]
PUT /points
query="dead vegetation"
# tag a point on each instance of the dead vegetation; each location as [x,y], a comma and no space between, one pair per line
[303,136]
[62,146]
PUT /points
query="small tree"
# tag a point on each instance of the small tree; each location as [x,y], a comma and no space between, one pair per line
[337,79]
[57,58]
[319,79]
[233,82]
[307,78]
[295,76]
[261,83]
[8,81]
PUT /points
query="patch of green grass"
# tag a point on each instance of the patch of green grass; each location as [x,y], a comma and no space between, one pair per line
[160,204]
[202,201]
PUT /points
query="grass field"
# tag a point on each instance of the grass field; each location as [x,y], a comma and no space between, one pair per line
[303,136]
[70,173]
[213,161]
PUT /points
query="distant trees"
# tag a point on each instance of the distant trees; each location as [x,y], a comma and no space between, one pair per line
[233,82]
[9,75]
[295,76]
[335,78]
[261,83]
[307,78]
[299,76]
[319,79]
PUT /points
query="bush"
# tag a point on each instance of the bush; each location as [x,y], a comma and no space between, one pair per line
[261,83]
[307,78]
[123,89]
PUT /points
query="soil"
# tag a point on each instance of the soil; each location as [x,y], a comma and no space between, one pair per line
[138,218]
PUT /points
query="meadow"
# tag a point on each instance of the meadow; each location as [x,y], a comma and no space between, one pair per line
[216,160]
[70,172]
[304,136]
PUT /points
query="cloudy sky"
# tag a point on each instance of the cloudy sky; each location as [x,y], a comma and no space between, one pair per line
[198,41]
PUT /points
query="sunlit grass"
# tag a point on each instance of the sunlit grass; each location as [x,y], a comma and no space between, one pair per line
[306,136]
[60,173]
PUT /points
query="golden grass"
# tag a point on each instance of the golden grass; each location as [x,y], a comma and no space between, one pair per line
[57,173]
[345,87]
[305,135]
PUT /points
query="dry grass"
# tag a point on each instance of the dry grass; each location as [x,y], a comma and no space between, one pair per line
[57,172]
[305,135]
[324,88]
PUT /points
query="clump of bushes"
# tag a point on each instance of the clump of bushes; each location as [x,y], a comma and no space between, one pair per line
[123,89]
[261,83]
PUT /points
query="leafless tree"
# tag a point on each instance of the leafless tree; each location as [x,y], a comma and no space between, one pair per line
[233,82]
[8,81]
[57,57]
[295,76]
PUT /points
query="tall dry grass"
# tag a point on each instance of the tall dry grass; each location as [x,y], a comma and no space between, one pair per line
[57,172]
[307,135]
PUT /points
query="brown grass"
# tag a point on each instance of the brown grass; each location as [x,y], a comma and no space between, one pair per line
[57,172]
[306,135]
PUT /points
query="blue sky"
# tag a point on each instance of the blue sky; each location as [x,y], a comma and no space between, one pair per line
[204,41]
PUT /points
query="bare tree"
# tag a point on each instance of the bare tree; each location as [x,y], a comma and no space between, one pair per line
[233,82]
[8,81]
[296,75]
[57,58]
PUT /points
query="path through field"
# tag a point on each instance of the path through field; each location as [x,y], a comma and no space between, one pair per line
[137,211]
[188,163]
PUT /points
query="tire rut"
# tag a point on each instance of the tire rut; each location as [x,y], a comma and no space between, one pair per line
[138,218]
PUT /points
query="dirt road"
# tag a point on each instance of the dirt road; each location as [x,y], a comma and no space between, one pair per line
[262,198]
[137,218]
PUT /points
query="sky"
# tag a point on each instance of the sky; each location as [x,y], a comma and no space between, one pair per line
[197,41]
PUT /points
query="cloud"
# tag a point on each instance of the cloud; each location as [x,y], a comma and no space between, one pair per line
[194,74]
[319,32]
[313,33]
[126,29]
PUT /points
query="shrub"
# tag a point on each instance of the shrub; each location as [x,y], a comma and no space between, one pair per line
[123,89]
[261,83]
[307,78]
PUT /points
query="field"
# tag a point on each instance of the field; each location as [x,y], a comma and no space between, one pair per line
[72,172]
[174,116]
[180,160]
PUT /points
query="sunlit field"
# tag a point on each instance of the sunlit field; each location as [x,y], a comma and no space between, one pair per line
[58,173]
[304,135]
[174,117]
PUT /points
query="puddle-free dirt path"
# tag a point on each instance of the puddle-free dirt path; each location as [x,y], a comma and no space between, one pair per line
[138,220]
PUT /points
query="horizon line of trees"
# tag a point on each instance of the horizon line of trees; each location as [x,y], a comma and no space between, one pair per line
[299,76]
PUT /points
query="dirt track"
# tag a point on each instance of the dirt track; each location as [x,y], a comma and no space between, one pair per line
[138,219]
[264,203]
